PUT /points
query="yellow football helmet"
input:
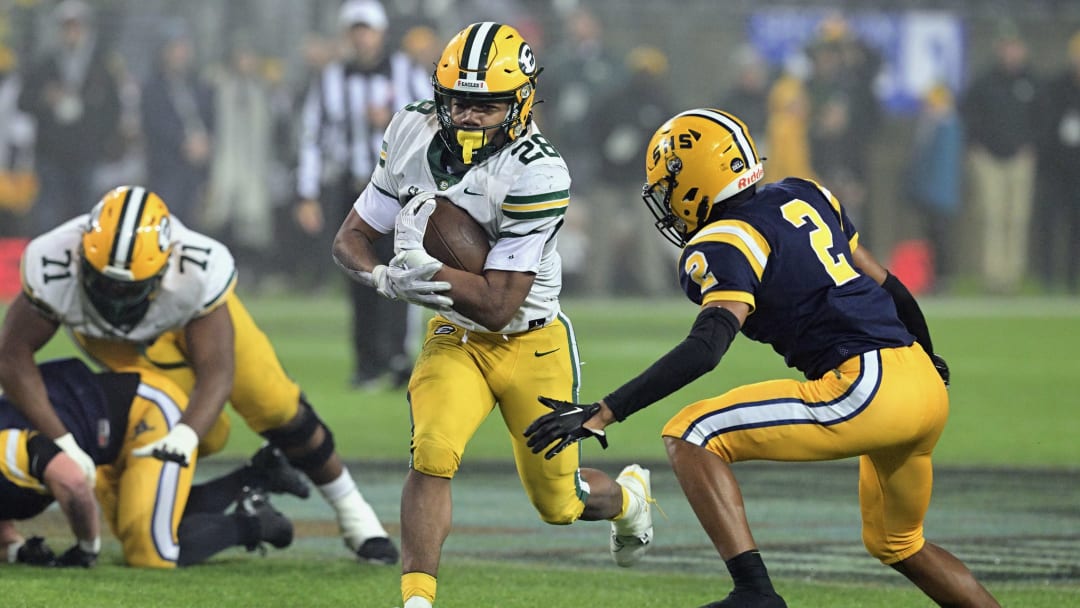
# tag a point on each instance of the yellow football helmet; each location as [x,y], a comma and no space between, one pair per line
[695,161]
[485,62]
[125,250]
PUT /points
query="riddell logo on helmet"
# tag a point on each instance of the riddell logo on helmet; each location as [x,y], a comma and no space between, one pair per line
[747,180]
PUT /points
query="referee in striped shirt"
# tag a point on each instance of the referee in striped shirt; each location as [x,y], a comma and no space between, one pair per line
[343,118]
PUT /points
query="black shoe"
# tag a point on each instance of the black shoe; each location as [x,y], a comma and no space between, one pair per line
[378,550]
[273,473]
[272,526]
[35,552]
[747,598]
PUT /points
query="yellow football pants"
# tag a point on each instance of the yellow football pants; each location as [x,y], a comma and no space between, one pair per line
[888,407]
[461,376]
[263,394]
[143,498]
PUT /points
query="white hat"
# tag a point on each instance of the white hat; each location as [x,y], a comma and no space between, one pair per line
[363,12]
[72,10]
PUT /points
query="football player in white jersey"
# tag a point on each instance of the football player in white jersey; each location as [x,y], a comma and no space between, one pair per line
[500,338]
[138,290]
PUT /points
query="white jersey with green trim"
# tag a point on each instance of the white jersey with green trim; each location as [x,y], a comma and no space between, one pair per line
[200,274]
[519,195]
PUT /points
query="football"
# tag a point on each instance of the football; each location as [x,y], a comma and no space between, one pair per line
[454,238]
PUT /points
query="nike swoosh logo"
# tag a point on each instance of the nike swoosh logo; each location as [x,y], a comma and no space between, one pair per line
[576,410]
[537,353]
[472,193]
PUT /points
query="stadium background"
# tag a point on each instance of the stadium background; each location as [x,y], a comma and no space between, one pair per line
[1007,491]
[700,39]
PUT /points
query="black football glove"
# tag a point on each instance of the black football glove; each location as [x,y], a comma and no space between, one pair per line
[942,368]
[563,424]
[76,557]
[35,552]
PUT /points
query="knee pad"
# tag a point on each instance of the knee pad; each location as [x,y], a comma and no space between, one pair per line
[432,455]
[296,439]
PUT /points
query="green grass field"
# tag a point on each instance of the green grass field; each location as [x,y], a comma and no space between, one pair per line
[1009,466]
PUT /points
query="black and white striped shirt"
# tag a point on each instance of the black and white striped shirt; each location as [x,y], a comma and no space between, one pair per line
[336,139]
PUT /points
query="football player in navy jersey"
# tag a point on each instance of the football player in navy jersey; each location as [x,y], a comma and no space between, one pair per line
[782,264]
[110,416]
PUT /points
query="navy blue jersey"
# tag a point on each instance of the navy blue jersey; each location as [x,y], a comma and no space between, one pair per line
[83,404]
[786,252]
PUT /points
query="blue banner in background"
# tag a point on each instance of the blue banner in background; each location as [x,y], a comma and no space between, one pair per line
[918,48]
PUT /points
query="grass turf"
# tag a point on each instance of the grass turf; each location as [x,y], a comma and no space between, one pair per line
[1013,367]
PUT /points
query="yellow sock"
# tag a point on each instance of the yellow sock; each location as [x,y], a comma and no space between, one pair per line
[627,503]
[419,584]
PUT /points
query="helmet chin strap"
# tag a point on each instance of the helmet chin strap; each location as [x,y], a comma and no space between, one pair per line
[470,141]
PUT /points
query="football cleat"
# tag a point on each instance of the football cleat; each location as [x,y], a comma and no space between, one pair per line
[378,550]
[273,473]
[273,526]
[35,553]
[748,598]
[632,535]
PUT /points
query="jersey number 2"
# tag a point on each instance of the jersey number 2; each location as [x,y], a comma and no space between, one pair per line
[797,213]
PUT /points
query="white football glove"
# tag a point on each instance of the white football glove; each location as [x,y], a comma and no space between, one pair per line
[178,446]
[67,443]
[412,221]
[408,277]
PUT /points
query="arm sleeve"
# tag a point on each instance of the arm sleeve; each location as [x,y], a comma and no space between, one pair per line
[712,334]
[909,312]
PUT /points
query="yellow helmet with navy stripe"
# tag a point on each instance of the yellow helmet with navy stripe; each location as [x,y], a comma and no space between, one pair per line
[485,62]
[125,250]
[695,161]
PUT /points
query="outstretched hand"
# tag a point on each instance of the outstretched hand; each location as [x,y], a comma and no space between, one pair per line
[564,424]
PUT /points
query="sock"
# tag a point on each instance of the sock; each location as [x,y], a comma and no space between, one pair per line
[215,495]
[632,507]
[417,586]
[748,572]
[202,535]
[13,551]
[355,516]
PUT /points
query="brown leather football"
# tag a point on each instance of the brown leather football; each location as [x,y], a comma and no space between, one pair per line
[454,238]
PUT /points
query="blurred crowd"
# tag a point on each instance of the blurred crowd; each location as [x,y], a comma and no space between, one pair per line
[989,173]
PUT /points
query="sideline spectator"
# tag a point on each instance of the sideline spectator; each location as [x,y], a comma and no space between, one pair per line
[176,122]
[998,113]
[787,130]
[18,183]
[238,209]
[935,176]
[343,119]
[624,257]
[844,111]
[74,97]
[1057,215]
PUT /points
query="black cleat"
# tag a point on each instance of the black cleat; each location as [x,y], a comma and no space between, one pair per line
[273,473]
[35,552]
[273,527]
[378,550]
[747,598]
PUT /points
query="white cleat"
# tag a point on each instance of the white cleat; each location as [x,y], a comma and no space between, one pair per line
[417,602]
[632,535]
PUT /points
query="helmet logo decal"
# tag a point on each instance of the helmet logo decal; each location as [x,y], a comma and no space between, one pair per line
[526,59]
[737,164]
[164,231]
[674,164]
